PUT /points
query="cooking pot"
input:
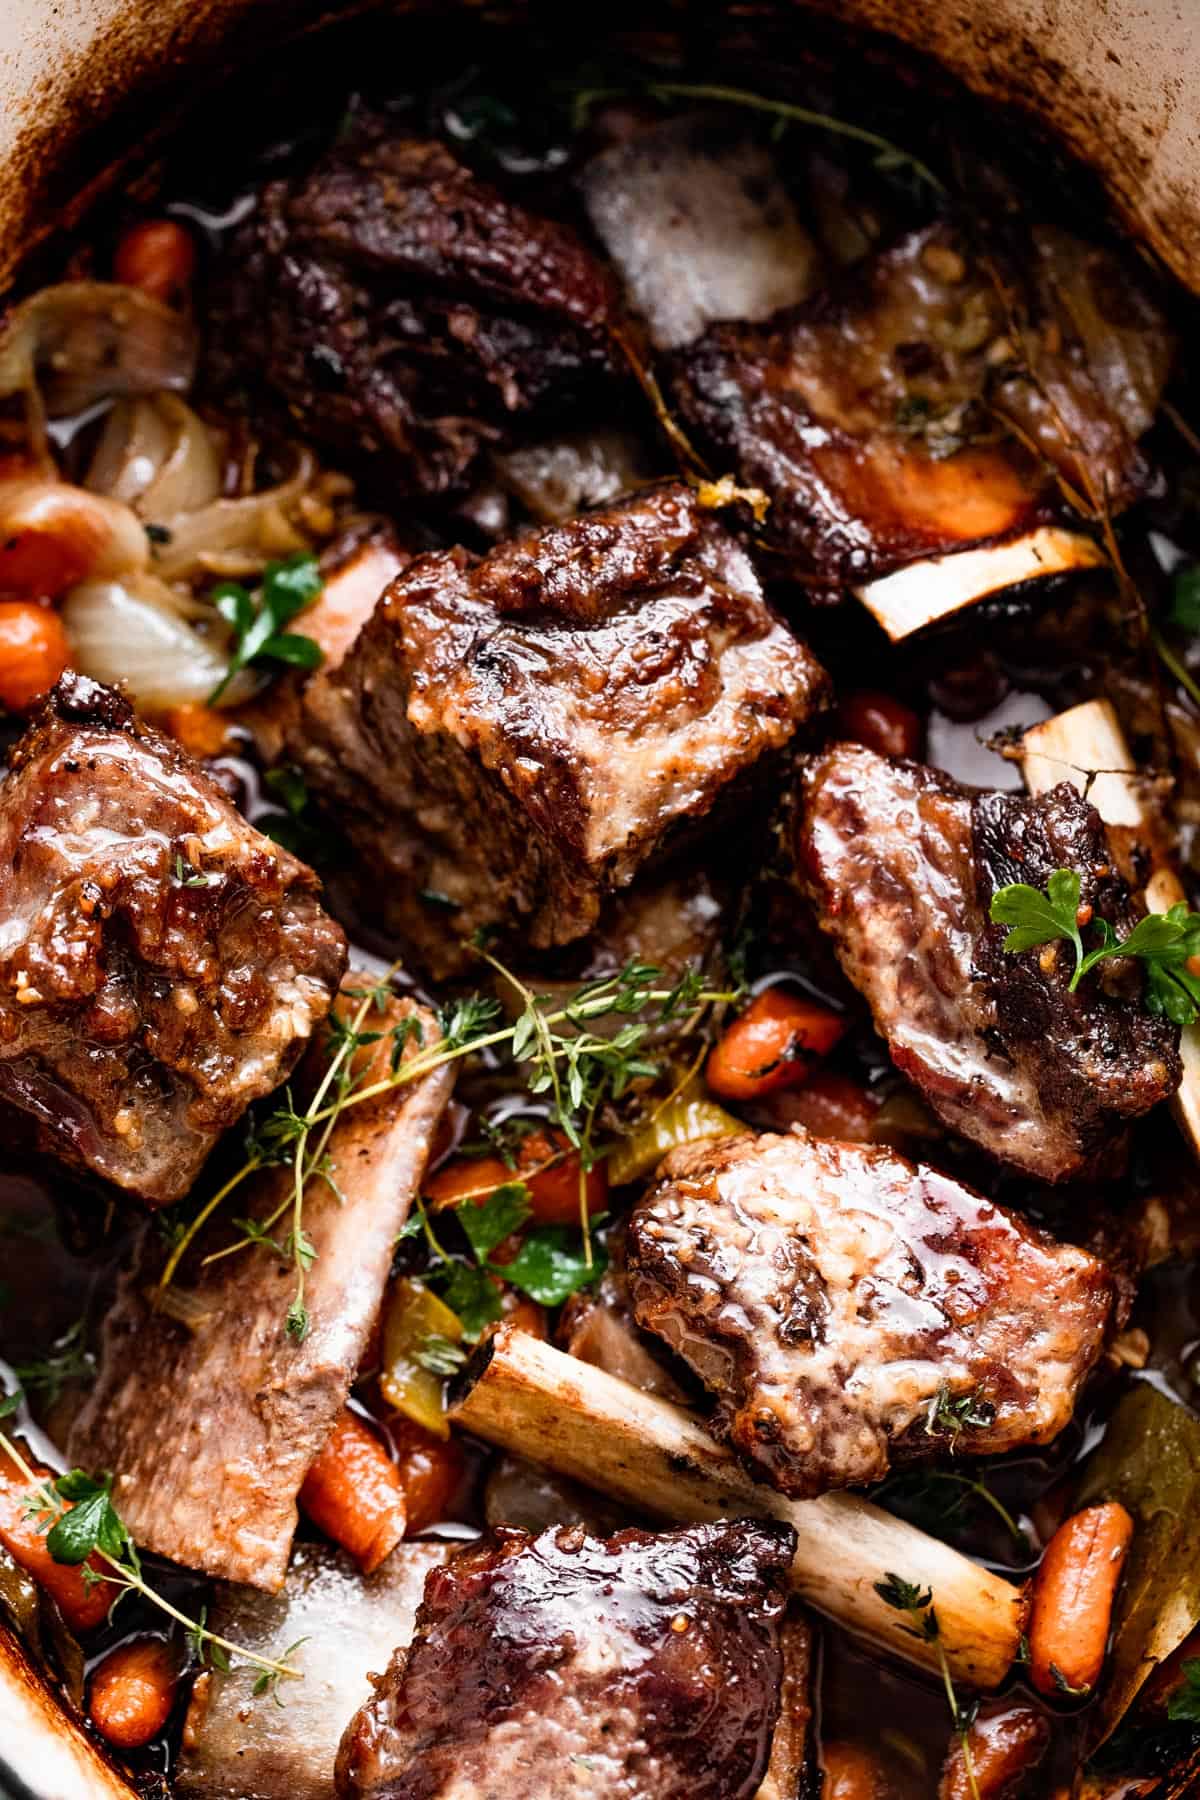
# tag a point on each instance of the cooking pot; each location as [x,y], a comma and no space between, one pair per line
[1117,82]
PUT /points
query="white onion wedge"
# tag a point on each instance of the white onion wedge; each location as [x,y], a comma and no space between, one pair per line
[923,592]
[158,456]
[129,633]
[1087,747]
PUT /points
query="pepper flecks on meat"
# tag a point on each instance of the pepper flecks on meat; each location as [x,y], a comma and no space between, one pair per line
[842,1303]
[162,964]
[901,864]
[524,732]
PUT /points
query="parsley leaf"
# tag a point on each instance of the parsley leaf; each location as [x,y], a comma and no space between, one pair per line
[92,1523]
[1038,918]
[552,1264]
[1164,942]
[470,1292]
[258,620]
[489,1223]
[1184,1704]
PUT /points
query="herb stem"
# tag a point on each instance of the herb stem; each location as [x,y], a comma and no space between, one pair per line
[797,115]
[206,1211]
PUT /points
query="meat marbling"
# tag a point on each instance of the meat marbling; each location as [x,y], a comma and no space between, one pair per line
[520,734]
[901,864]
[211,1427]
[162,964]
[640,1667]
[846,1306]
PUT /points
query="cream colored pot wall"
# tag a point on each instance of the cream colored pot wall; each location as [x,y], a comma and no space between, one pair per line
[1117,80]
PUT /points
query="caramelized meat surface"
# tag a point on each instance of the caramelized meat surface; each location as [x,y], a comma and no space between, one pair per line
[901,864]
[211,1426]
[641,1667]
[161,963]
[403,309]
[517,736]
[870,415]
[846,1306]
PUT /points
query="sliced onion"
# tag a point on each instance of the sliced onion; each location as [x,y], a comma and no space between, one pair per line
[53,535]
[236,537]
[129,632]
[84,341]
[156,454]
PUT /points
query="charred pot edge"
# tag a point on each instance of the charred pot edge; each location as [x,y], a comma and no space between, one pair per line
[43,1746]
[1087,747]
[525,1396]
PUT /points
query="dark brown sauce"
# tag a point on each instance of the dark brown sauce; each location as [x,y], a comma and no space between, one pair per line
[1007,665]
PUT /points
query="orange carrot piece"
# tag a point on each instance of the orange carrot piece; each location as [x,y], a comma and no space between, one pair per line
[83,1606]
[851,1773]
[775,1043]
[354,1494]
[1004,1745]
[33,652]
[202,730]
[132,1691]
[158,256]
[431,1472]
[554,1189]
[1073,1594]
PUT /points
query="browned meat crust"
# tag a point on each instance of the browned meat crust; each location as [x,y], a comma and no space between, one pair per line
[520,734]
[870,414]
[161,963]
[839,1301]
[404,309]
[901,864]
[564,1667]
[210,1428]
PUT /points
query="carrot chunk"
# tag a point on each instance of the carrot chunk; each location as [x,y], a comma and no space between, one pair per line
[851,1773]
[775,1043]
[354,1494]
[132,1692]
[159,257]
[1003,1746]
[431,1472]
[83,1606]
[33,652]
[1073,1594]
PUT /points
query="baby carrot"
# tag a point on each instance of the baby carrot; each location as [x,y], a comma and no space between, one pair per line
[1073,1594]
[132,1692]
[775,1043]
[353,1493]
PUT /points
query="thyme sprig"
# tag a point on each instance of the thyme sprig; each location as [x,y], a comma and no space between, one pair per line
[888,155]
[906,1597]
[82,1526]
[561,1059]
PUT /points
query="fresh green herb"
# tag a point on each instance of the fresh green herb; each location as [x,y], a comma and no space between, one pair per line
[1164,942]
[489,1222]
[185,876]
[906,1597]
[10,1402]
[1184,1704]
[951,1414]
[268,1680]
[297,827]
[940,1500]
[578,1069]
[258,620]
[552,1264]
[888,156]
[469,1292]
[70,1360]
[77,1515]
[440,1355]
[1185,597]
